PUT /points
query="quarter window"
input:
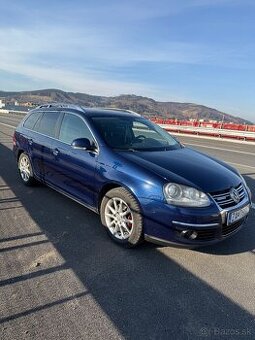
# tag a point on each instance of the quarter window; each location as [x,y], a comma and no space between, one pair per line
[31,120]
[73,127]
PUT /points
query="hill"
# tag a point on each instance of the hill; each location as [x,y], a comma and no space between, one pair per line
[143,105]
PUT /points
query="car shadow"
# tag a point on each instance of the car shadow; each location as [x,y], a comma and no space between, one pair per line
[144,293]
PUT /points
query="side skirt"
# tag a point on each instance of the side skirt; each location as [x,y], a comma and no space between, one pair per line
[95,210]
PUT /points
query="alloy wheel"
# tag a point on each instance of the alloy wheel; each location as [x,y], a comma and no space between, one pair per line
[119,218]
[25,168]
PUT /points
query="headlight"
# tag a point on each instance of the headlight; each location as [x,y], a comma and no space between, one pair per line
[182,195]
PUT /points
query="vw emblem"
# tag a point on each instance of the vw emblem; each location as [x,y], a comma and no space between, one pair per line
[234,194]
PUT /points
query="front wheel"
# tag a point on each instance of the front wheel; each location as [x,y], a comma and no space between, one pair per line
[25,169]
[121,215]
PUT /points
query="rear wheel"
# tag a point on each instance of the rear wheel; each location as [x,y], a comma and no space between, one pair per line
[121,215]
[25,170]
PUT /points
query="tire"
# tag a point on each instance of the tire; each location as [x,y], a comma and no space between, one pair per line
[121,215]
[25,170]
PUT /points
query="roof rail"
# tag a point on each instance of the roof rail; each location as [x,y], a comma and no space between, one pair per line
[61,105]
[118,109]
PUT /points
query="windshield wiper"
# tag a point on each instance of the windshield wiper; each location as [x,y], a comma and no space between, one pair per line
[128,149]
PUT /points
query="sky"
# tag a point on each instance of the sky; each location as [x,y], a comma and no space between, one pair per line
[196,51]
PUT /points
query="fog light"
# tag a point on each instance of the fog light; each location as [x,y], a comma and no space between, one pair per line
[189,234]
[193,235]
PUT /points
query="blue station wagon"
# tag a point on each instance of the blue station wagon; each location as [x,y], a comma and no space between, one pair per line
[141,180]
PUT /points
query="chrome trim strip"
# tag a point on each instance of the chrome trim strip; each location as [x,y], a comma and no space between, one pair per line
[197,224]
[239,188]
[221,195]
[226,201]
[245,200]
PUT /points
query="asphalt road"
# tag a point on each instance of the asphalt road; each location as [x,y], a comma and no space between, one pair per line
[62,278]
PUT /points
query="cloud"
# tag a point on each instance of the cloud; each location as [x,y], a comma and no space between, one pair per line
[157,49]
[97,59]
[45,56]
[55,45]
[23,53]
[84,81]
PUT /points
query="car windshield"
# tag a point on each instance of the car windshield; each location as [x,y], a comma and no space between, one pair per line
[133,134]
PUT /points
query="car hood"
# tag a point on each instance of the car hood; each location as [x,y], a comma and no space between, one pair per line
[187,166]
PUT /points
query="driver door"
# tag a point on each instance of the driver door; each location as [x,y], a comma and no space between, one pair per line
[75,168]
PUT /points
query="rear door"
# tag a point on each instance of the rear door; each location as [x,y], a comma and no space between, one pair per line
[74,169]
[30,142]
[44,144]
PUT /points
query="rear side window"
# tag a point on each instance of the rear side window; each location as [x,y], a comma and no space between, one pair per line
[47,124]
[31,120]
[73,127]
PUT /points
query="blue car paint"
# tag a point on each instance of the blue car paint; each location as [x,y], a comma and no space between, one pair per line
[84,175]
[147,187]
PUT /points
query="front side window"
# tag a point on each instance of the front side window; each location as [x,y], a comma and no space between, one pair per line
[133,133]
[47,124]
[73,127]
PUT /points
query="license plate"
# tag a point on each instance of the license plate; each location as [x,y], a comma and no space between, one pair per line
[237,215]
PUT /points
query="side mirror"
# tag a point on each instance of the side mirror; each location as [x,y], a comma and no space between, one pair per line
[83,144]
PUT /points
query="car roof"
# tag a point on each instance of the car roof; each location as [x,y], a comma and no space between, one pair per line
[86,111]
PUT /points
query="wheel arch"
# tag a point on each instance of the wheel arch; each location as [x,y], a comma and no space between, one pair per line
[112,185]
[20,151]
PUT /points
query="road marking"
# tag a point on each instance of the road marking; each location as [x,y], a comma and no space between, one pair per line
[223,149]
[222,139]
[241,165]
[253,205]
[8,125]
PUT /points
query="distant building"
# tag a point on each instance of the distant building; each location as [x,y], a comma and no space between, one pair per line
[2,104]
[28,104]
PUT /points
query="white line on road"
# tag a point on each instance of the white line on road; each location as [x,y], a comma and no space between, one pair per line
[8,125]
[242,165]
[227,140]
[223,149]
[253,205]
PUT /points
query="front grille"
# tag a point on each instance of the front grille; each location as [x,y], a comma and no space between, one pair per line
[224,200]
[228,229]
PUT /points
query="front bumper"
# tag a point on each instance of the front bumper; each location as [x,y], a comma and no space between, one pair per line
[165,224]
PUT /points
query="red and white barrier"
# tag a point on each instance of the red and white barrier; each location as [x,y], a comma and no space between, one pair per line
[221,130]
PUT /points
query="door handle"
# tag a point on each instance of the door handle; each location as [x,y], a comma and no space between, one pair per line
[30,142]
[55,152]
